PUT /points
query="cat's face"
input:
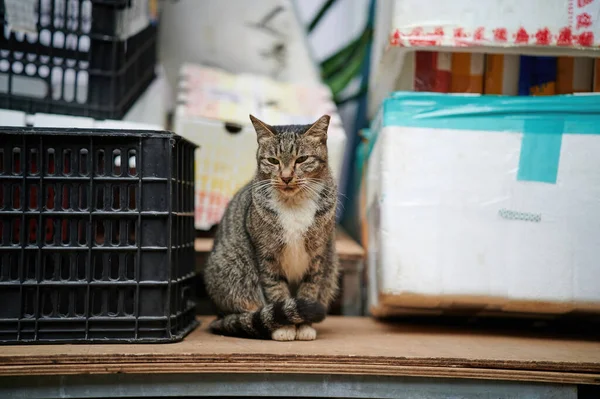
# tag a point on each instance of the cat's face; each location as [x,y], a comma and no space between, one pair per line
[292,159]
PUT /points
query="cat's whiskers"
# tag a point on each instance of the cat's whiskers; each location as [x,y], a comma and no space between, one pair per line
[263,186]
[310,188]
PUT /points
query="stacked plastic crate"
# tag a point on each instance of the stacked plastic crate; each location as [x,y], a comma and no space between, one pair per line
[90,58]
[96,236]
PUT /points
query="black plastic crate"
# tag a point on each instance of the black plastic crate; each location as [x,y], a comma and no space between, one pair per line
[96,236]
[88,58]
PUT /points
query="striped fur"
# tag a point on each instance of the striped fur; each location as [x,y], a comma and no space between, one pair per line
[273,264]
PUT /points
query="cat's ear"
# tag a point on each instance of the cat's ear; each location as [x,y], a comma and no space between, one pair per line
[318,130]
[263,131]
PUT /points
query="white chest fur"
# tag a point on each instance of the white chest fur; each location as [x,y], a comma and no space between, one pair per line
[295,221]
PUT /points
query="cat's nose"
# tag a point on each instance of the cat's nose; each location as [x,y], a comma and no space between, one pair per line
[286,180]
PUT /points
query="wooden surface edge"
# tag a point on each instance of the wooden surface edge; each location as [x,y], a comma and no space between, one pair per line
[307,368]
[289,364]
[409,303]
[330,362]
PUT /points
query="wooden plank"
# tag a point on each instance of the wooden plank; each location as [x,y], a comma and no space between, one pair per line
[356,346]
[347,248]
[408,303]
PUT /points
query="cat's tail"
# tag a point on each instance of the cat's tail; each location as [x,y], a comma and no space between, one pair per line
[261,323]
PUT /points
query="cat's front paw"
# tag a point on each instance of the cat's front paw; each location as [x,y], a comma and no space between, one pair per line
[306,333]
[287,333]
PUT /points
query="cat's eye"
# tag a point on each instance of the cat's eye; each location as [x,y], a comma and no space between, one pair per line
[301,159]
[274,161]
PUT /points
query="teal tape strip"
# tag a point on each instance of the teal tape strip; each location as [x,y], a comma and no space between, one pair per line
[540,151]
[543,120]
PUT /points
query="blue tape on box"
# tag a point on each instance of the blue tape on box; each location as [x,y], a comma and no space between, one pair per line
[540,151]
[542,121]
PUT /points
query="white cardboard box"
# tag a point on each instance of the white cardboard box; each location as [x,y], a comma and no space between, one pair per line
[484,201]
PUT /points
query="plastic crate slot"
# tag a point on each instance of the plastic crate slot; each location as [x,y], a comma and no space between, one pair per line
[49,267]
[28,310]
[13,268]
[131,232]
[132,198]
[2,161]
[81,266]
[98,302]
[116,232]
[83,198]
[50,196]
[49,231]
[82,85]
[16,165]
[98,267]
[30,69]
[116,198]
[33,228]
[51,166]
[116,162]
[1,231]
[129,267]
[31,266]
[48,302]
[1,198]
[82,233]
[114,267]
[4,262]
[56,79]
[65,268]
[100,198]
[83,162]
[67,162]
[65,239]
[69,76]
[33,162]
[33,197]
[100,163]
[17,66]
[43,70]
[16,203]
[129,301]
[114,299]
[66,196]
[63,302]
[99,232]
[79,300]
[132,163]
[16,231]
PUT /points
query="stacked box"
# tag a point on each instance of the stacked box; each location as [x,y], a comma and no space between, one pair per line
[472,203]
[213,108]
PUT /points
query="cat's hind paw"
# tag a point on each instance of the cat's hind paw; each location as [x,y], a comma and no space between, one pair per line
[306,333]
[287,333]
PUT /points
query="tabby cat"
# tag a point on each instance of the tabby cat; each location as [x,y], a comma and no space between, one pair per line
[273,270]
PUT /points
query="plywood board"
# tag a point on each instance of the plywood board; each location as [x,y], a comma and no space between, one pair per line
[390,305]
[346,247]
[359,346]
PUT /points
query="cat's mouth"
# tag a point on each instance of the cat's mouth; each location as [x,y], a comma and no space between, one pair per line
[288,189]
